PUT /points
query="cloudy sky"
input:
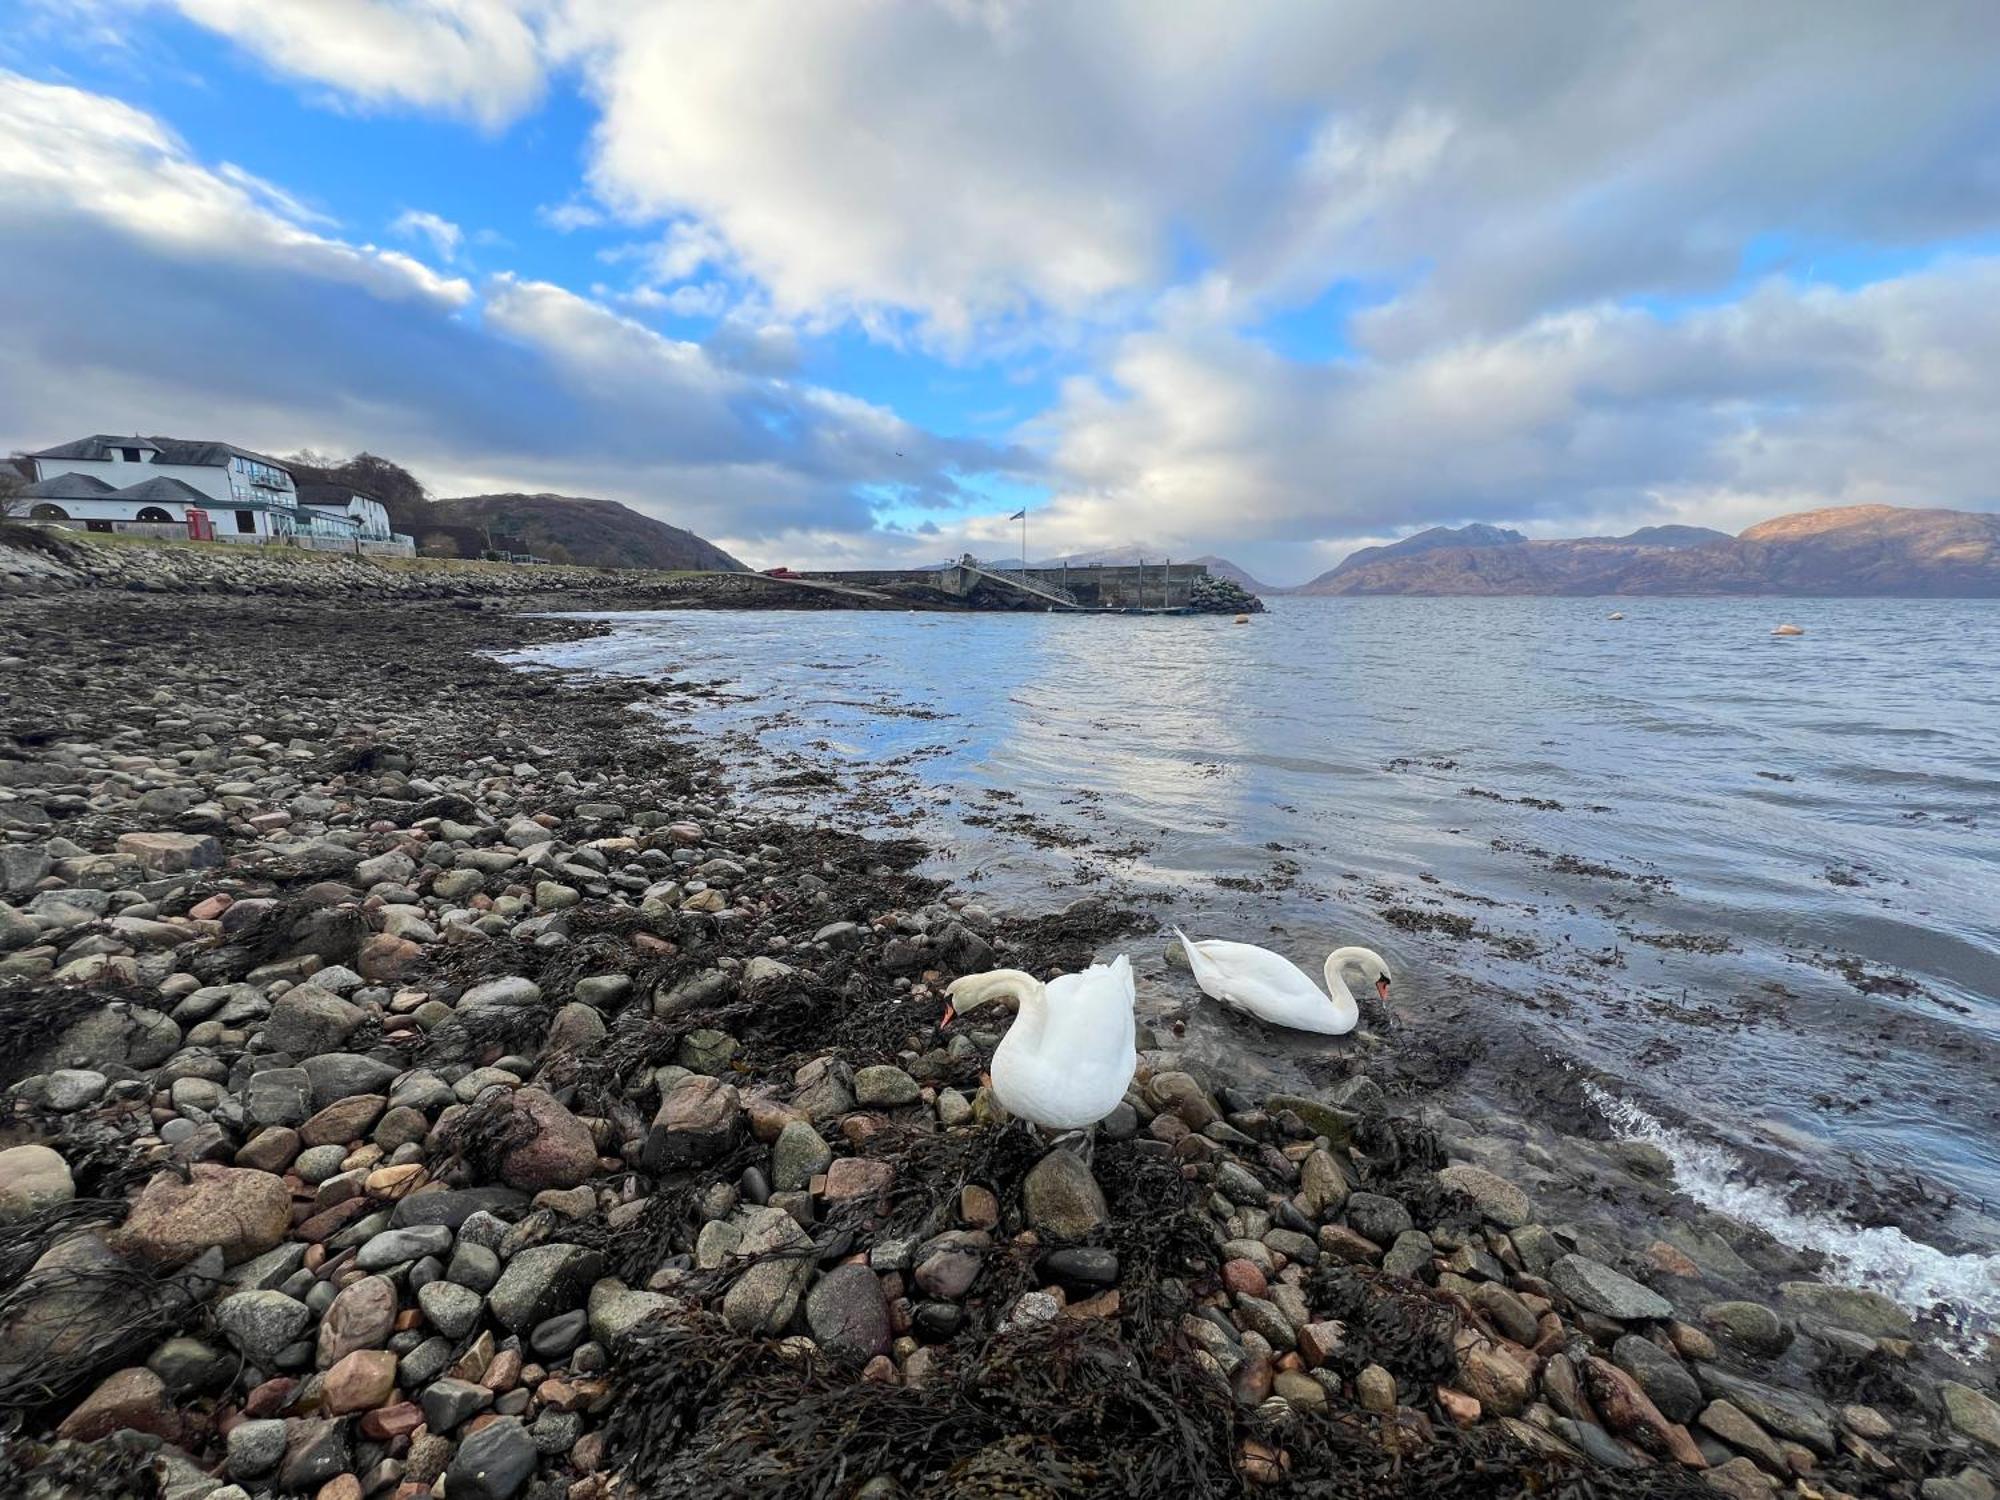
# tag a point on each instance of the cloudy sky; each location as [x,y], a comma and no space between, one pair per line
[851,281]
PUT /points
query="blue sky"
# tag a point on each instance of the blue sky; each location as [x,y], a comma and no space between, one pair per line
[853,282]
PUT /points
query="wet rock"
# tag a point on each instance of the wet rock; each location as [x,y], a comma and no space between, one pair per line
[1410,1255]
[541,1281]
[763,1299]
[495,1463]
[1322,1185]
[172,853]
[360,1381]
[188,1366]
[799,1155]
[884,1087]
[1730,1424]
[254,1448]
[309,1020]
[1666,1381]
[1082,1265]
[1498,1200]
[1378,1218]
[1852,1308]
[847,1315]
[452,1310]
[1792,1414]
[315,1452]
[130,1400]
[244,1212]
[1493,1379]
[262,1323]
[698,1121]
[615,1308]
[559,1153]
[341,1075]
[395,1247]
[1375,1389]
[32,1178]
[1738,1478]
[949,1263]
[362,1316]
[1597,1288]
[1061,1199]
[1971,1412]
[1749,1326]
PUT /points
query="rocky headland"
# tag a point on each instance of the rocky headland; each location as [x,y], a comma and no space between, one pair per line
[423,1080]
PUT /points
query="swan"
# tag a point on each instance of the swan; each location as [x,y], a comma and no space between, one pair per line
[1067,1059]
[1273,988]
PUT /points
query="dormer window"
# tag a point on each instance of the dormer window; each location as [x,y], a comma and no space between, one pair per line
[130,455]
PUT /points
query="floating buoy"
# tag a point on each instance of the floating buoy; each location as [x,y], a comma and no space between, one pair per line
[1789,629]
[1617,614]
[1242,619]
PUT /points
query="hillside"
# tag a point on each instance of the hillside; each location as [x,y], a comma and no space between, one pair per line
[597,533]
[1853,550]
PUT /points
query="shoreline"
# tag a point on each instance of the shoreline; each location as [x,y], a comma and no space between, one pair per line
[1236,1231]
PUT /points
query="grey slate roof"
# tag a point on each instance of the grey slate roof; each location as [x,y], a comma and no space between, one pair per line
[68,487]
[163,490]
[190,451]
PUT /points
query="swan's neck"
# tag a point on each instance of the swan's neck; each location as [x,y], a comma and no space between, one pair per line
[1336,981]
[1028,991]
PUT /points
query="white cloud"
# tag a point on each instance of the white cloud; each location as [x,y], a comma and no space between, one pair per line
[444,237]
[1599,418]
[146,288]
[477,58]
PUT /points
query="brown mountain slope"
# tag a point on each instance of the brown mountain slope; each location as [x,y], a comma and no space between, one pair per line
[597,533]
[1859,550]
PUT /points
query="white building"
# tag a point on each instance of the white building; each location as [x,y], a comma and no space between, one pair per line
[245,495]
[335,510]
[138,483]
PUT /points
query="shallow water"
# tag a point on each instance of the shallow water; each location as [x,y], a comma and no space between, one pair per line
[1753,882]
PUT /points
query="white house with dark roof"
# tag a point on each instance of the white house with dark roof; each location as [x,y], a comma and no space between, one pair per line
[104,480]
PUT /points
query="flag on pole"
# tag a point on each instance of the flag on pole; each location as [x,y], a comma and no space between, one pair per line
[1019,515]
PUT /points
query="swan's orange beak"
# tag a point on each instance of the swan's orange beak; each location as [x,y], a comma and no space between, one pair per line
[946,1019]
[1382,989]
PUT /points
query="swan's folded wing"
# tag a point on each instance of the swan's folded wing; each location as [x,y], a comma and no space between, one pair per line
[1258,979]
[1090,1014]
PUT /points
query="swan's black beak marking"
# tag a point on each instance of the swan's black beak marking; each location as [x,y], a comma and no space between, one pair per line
[1382,989]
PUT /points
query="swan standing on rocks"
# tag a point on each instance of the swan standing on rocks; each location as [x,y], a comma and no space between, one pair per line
[1272,988]
[1065,1062]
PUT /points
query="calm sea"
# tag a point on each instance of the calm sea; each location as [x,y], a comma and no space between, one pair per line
[1753,882]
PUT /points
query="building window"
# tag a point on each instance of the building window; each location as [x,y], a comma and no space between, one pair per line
[130,455]
[46,512]
[155,514]
[96,525]
[246,521]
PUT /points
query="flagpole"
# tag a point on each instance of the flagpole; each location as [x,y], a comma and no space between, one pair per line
[1024,539]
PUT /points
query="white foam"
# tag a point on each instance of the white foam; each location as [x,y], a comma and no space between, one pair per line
[1884,1259]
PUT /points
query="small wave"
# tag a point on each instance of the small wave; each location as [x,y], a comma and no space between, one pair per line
[1884,1259]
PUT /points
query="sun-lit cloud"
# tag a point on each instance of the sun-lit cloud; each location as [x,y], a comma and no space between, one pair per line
[444,237]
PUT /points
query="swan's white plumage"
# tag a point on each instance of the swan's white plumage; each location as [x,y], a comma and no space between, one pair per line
[1273,988]
[1067,1059]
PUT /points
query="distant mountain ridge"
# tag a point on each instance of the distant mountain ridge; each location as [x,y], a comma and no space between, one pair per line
[1863,550]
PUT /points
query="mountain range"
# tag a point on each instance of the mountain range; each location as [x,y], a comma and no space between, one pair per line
[1849,550]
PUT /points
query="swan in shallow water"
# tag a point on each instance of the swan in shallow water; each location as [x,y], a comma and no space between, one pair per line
[1066,1060]
[1273,988]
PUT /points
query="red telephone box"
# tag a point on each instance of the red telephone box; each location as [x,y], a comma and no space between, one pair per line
[200,528]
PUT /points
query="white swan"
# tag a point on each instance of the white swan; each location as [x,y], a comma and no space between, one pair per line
[1273,988]
[1066,1060]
